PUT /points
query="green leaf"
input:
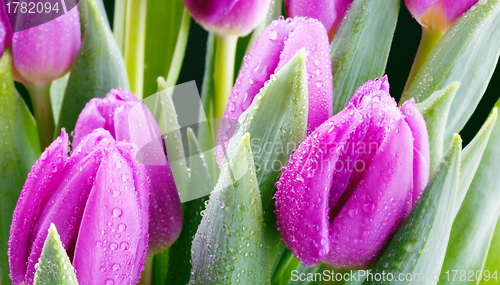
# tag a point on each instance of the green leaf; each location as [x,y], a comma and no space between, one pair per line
[173,141]
[283,271]
[360,48]
[54,266]
[229,246]
[200,184]
[493,259]
[98,67]
[467,53]
[419,246]
[163,25]
[475,222]
[472,155]
[207,131]
[19,149]
[435,111]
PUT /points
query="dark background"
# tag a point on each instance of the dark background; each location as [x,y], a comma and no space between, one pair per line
[403,50]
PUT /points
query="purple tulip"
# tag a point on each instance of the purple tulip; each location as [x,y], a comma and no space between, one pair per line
[438,14]
[228,17]
[127,119]
[46,52]
[353,181]
[97,198]
[329,12]
[5,30]
[275,46]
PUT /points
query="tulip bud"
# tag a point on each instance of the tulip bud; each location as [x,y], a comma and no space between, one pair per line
[275,46]
[438,14]
[353,181]
[127,119]
[228,17]
[329,12]
[97,198]
[5,30]
[46,52]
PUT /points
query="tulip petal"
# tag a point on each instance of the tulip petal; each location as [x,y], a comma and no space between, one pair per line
[165,213]
[303,195]
[40,184]
[242,18]
[418,7]
[258,66]
[368,218]
[322,10]
[421,152]
[113,235]
[63,209]
[46,52]
[99,113]
[455,9]
[311,35]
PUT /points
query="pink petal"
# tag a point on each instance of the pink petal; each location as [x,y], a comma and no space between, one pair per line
[421,153]
[376,207]
[46,52]
[311,35]
[165,212]
[112,240]
[45,175]
[304,189]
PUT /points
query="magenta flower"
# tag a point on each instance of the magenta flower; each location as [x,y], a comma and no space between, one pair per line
[127,119]
[5,30]
[353,181]
[438,14]
[275,46]
[97,198]
[228,17]
[46,52]
[329,12]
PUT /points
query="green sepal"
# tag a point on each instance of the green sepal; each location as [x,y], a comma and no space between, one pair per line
[475,222]
[19,149]
[98,67]
[54,266]
[435,111]
[419,245]
[467,53]
[230,246]
[360,48]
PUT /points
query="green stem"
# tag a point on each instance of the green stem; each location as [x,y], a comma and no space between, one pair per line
[135,39]
[147,273]
[225,52]
[430,37]
[42,107]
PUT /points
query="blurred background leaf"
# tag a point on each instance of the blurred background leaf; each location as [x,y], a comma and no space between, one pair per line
[19,149]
